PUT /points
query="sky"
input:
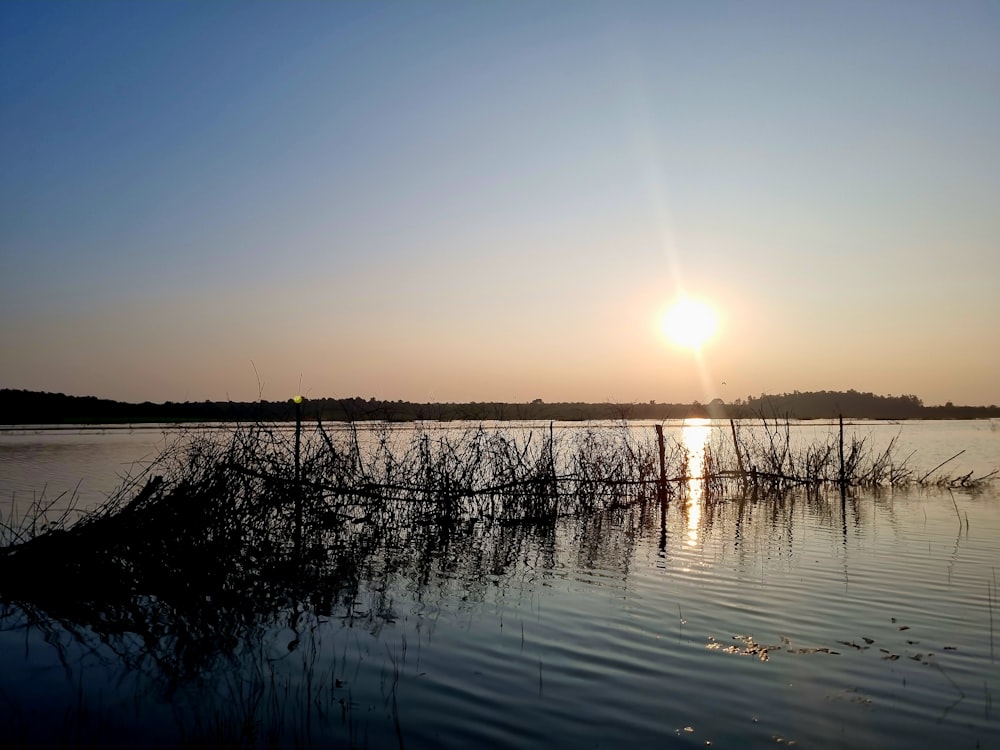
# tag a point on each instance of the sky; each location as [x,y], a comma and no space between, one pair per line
[454,201]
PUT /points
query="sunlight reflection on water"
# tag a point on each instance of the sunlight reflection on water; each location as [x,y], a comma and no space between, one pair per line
[878,608]
[694,437]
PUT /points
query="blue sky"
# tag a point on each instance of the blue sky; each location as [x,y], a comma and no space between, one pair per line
[496,201]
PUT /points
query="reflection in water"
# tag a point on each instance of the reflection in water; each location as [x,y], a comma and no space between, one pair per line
[252,645]
[694,436]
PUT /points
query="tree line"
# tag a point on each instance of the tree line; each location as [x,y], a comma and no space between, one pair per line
[22,407]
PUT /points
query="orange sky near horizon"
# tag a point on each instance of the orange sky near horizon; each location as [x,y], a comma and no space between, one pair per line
[454,202]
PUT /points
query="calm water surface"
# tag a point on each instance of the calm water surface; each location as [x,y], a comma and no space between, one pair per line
[872,622]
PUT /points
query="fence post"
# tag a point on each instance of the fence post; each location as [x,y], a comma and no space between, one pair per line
[663,462]
[553,478]
[552,449]
[842,478]
[425,459]
[739,457]
[298,473]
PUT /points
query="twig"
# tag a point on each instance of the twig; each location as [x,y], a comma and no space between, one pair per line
[921,480]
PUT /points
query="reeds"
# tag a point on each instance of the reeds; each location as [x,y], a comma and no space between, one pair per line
[271,490]
[42,514]
[776,465]
[244,523]
[201,547]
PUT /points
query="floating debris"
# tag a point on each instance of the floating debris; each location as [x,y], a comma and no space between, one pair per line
[750,647]
[852,644]
[853,695]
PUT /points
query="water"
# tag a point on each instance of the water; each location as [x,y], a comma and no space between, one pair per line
[867,623]
[89,462]
[86,462]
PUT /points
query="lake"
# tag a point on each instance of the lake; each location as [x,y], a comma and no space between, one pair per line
[806,618]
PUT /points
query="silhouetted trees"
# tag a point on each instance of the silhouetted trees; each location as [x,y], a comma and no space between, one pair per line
[36,407]
[829,404]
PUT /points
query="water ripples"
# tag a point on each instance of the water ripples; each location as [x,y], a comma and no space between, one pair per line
[863,623]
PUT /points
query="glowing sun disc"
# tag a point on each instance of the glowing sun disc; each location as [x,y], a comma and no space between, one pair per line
[689,323]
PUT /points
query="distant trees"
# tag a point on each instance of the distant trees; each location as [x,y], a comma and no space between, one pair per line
[828,404]
[35,407]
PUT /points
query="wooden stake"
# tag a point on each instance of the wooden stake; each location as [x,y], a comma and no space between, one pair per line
[663,460]
[298,474]
[739,457]
[843,489]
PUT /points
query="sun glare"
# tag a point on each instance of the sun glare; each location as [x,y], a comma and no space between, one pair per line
[689,323]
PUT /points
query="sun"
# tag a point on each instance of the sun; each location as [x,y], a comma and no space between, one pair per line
[689,323]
